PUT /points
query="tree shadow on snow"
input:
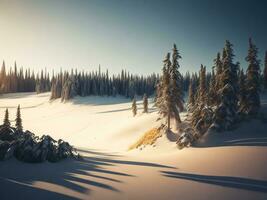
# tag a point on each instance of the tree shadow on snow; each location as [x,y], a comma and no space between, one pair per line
[225,181]
[171,136]
[100,100]
[76,176]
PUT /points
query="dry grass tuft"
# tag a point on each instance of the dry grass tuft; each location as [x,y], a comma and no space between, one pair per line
[149,138]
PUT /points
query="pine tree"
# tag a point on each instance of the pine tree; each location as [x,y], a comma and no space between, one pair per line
[242,92]
[134,107]
[212,93]
[226,112]
[218,78]
[202,92]
[145,103]
[18,120]
[3,78]
[177,102]
[6,119]
[252,104]
[191,96]
[164,100]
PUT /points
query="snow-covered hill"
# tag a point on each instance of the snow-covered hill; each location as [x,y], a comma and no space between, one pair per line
[103,128]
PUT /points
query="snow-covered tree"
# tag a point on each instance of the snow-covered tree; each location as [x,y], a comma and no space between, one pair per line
[191,96]
[134,107]
[145,103]
[212,93]
[242,92]
[252,104]
[18,120]
[176,85]
[202,88]
[6,119]
[218,78]
[164,101]
[226,112]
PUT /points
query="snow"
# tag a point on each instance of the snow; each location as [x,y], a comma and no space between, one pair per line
[102,128]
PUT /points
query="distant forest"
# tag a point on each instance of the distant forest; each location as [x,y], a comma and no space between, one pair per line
[67,84]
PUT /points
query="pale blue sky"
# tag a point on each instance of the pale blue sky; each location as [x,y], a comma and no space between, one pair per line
[134,35]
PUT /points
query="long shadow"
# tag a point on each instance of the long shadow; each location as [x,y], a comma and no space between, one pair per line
[100,100]
[17,95]
[97,152]
[150,110]
[171,136]
[113,111]
[225,181]
[81,176]
[12,190]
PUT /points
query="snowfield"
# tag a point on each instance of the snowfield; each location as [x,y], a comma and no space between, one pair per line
[229,165]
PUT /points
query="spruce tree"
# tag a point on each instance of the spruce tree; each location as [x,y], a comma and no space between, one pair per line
[6,119]
[145,103]
[252,104]
[218,83]
[242,92]
[226,112]
[164,99]
[202,92]
[134,107]
[191,96]
[212,93]
[18,120]
[177,102]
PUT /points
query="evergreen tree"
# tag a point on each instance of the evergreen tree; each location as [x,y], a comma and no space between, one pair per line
[202,91]
[3,78]
[164,100]
[6,119]
[212,93]
[242,92]
[145,103]
[191,96]
[252,104]
[134,107]
[18,120]
[176,91]
[226,112]
[218,78]
[176,82]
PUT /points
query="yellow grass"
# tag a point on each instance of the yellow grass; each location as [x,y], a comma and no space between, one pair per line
[148,138]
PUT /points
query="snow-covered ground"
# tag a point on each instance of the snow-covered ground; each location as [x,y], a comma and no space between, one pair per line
[232,167]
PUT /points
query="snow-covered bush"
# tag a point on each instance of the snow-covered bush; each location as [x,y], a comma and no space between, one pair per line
[27,147]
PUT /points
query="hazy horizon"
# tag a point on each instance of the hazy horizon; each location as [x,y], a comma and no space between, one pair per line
[131,35]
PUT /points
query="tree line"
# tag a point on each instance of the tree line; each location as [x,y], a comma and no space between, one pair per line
[67,85]
[23,80]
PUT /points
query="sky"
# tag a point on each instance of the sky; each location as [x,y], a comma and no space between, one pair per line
[122,34]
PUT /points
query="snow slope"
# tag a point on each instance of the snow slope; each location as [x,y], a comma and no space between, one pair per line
[231,167]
